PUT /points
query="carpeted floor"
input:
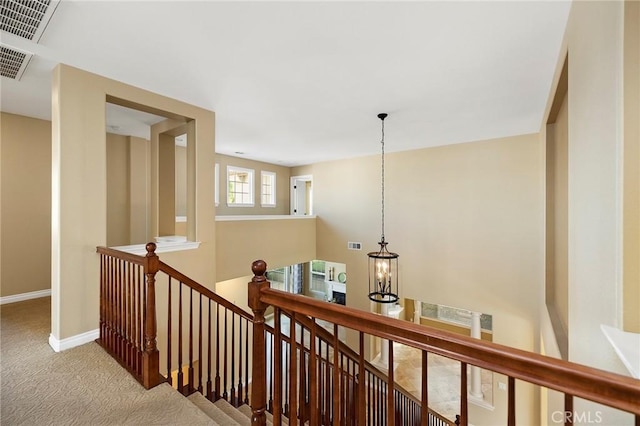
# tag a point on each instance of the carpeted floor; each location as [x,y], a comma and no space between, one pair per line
[80,386]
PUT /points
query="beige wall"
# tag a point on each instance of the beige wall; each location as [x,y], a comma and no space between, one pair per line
[236,290]
[27,146]
[467,222]
[597,193]
[279,242]
[631,150]
[127,190]
[167,185]
[282,187]
[162,189]
[25,204]
[79,191]
[118,197]
[139,190]
[181,181]
[167,174]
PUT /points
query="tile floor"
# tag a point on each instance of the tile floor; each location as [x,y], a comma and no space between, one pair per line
[444,379]
[444,374]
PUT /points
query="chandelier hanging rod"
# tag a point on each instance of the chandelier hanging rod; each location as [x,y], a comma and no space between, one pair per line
[382,116]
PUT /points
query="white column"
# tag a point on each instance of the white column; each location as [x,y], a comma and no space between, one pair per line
[390,310]
[417,312]
[384,348]
[476,381]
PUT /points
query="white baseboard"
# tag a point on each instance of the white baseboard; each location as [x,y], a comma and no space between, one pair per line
[73,341]
[24,296]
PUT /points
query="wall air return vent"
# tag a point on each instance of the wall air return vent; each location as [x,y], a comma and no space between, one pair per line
[26,18]
[13,62]
[354,246]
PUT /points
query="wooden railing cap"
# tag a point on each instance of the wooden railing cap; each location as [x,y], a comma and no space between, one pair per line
[151,249]
[259,268]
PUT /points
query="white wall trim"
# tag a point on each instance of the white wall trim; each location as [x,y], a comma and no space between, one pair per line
[233,218]
[25,296]
[73,341]
[161,246]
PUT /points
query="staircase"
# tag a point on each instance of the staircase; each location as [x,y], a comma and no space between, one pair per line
[224,414]
[221,412]
[154,320]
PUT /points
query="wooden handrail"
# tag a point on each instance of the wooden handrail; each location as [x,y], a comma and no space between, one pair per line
[174,273]
[596,385]
[205,291]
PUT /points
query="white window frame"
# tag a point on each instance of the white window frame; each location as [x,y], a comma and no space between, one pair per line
[263,202]
[250,186]
[216,195]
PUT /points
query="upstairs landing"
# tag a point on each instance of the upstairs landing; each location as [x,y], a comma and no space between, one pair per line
[81,386]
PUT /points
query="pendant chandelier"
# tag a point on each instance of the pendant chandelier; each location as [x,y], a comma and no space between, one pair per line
[383,264]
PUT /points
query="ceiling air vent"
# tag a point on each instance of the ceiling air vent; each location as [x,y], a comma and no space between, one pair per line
[26,18]
[13,62]
[354,246]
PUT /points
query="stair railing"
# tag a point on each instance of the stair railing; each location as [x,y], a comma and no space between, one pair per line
[207,336]
[218,349]
[203,343]
[127,312]
[308,333]
[207,344]
[574,380]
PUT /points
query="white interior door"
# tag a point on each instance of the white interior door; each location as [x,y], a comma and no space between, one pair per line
[301,195]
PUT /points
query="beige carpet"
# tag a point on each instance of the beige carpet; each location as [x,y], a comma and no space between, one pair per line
[80,386]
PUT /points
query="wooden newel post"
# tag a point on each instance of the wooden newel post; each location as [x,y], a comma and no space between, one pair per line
[259,373]
[150,357]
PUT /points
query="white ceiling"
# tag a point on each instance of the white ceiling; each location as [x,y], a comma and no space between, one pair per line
[301,82]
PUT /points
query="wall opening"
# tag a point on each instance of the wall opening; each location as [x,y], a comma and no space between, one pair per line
[128,174]
[147,203]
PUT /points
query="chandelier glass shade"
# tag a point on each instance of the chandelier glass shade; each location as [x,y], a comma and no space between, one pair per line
[383,275]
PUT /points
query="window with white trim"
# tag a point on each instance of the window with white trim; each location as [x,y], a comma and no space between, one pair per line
[268,189]
[239,187]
